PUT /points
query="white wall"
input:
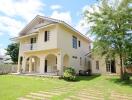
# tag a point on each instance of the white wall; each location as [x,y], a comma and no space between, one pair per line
[65,44]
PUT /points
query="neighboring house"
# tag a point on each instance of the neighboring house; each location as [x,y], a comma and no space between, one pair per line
[49,45]
[5,59]
[101,65]
[1,59]
[105,66]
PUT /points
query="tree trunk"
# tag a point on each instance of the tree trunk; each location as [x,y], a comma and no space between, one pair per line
[121,67]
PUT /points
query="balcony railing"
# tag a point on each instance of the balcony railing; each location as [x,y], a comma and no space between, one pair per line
[28,47]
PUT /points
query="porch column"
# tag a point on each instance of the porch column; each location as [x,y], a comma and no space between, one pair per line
[30,64]
[19,66]
[60,64]
[24,64]
[42,64]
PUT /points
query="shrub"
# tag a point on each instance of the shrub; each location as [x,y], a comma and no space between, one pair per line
[69,74]
[126,77]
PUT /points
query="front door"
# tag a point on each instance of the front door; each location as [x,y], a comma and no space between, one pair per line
[45,70]
[113,68]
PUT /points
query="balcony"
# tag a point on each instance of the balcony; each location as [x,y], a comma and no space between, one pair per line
[29,47]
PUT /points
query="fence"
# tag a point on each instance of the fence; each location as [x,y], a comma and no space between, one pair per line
[7,68]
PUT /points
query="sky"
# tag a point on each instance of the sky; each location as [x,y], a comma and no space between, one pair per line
[15,14]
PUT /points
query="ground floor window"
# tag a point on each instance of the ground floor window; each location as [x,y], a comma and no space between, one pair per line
[108,66]
[97,65]
[89,65]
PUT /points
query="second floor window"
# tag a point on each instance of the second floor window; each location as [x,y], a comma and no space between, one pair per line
[46,36]
[74,42]
[33,40]
[79,44]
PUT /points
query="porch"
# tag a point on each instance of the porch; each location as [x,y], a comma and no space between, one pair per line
[51,64]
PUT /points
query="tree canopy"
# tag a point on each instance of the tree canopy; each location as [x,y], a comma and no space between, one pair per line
[112,29]
[13,51]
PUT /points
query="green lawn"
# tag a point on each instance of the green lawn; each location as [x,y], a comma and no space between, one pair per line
[12,87]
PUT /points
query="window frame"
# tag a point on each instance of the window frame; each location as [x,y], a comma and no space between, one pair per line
[97,65]
[79,43]
[46,36]
[74,42]
[108,66]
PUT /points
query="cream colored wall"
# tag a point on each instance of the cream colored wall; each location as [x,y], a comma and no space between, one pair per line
[52,43]
[61,38]
[65,44]
[41,44]
[102,65]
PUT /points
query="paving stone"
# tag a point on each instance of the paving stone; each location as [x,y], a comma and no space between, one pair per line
[120,96]
[97,91]
[91,94]
[59,91]
[125,95]
[52,93]
[73,98]
[35,97]
[41,95]
[91,97]
[23,98]
[82,98]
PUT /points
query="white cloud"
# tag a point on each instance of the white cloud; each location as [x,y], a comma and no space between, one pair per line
[2,50]
[83,26]
[1,33]
[95,7]
[25,9]
[65,16]
[13,10]
[10,26]
[55,7]
[91,8]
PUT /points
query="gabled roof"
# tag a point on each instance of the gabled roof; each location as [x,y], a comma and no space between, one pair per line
[22,32]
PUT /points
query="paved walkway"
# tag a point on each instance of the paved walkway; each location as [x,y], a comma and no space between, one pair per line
[83,94]
[47,95]
[97,94]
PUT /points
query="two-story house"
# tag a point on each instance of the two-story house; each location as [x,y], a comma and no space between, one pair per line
[49,45]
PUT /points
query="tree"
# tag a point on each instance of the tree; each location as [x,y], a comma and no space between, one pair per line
[13,51]
[112,29]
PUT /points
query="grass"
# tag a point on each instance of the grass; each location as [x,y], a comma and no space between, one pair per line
[13,87]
